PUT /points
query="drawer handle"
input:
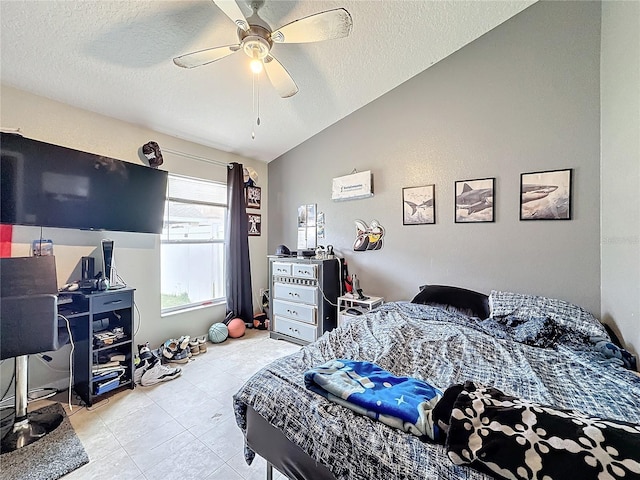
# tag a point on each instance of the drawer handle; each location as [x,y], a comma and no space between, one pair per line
[294,330]
[293,294]
[112,302]
[292,312]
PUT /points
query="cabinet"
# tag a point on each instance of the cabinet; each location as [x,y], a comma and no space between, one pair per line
[347,302]
[90,316]
[303,297]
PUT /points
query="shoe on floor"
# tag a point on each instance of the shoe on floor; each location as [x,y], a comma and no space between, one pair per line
[159,373]
[143,362]
[183,342]
[170,348]
[194,346]
[180,356]
[202,344]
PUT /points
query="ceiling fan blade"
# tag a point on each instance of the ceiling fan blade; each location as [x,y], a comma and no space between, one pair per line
[315,28]
[232,10]
[202,57]
[279,77]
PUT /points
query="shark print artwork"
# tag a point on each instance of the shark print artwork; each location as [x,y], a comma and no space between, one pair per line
[545,195]
[419,205]
[474,200]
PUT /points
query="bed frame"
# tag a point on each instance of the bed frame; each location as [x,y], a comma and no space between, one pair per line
[271,444]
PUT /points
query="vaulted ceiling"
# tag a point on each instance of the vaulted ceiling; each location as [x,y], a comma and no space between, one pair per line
[115,58]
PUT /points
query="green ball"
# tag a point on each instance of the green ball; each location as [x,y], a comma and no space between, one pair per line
[218,332]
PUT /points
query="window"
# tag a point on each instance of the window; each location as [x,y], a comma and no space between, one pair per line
[192,245]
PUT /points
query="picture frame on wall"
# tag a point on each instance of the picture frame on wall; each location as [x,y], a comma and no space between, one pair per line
[475,200]
[546,195]
[253,196]
[255,224]
[419,205]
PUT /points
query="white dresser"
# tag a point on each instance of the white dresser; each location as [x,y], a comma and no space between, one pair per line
[303,296]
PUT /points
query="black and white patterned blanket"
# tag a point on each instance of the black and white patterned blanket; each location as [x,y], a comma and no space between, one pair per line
[441,348]
[510,438]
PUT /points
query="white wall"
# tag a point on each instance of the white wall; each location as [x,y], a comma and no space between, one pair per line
[524,97]
[137,255]
[620,168]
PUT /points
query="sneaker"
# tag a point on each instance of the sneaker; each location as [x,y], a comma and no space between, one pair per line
[142,362]
[202,344]
[159,373]
[179,356]
[170,348]
[183,342]
[194,347]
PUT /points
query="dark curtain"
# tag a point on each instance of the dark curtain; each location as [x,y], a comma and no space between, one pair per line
[238,267]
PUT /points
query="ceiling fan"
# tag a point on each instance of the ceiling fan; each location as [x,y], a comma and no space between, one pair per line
[255,38]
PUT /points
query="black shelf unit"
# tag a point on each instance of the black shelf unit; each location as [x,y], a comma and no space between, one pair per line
[95,312]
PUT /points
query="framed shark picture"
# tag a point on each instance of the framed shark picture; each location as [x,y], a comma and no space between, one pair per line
[545,195]
[474,200]
[419,205]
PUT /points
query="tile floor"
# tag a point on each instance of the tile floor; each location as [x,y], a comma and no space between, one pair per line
[184,428]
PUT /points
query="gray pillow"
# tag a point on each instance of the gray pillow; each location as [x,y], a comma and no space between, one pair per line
[526,307]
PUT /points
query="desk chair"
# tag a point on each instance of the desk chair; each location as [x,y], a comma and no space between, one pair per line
[28,325]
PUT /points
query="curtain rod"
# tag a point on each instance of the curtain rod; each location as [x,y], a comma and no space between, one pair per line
[196,157]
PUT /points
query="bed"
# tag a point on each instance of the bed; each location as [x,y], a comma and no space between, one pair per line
[534,348]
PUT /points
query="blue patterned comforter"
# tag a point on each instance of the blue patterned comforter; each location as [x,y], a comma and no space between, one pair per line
[441,348]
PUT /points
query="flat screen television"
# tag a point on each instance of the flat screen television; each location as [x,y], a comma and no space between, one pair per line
[52,186]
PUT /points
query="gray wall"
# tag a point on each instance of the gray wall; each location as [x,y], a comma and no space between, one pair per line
[620,103]
[524,97]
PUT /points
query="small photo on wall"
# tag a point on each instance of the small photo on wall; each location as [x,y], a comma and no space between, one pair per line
[474,200]
[255,224]
[254,197]
[545,195]
[418,205]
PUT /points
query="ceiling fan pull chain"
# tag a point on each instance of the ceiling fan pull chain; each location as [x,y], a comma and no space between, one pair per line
[258,103]
[253,102]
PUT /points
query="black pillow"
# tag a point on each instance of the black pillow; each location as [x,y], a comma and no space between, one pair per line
[472,303]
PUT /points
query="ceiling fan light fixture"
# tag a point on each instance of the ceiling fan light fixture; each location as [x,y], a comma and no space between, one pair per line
[255,47]
[256,65]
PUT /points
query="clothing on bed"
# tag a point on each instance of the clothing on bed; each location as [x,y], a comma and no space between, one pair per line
[440,348]
[401,402]
[511,438]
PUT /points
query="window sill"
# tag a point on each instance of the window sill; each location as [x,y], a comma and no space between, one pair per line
[212,303]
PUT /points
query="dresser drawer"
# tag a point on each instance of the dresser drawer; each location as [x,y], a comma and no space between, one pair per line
[295,293]
[297,311]
[280,268]
[111,301]
[304,271]
[294,329]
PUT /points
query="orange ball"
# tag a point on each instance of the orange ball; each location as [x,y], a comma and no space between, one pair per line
[236,328]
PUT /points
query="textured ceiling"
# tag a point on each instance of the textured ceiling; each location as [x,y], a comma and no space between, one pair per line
[115,58]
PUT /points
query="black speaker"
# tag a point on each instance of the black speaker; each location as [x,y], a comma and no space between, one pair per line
[88,267]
